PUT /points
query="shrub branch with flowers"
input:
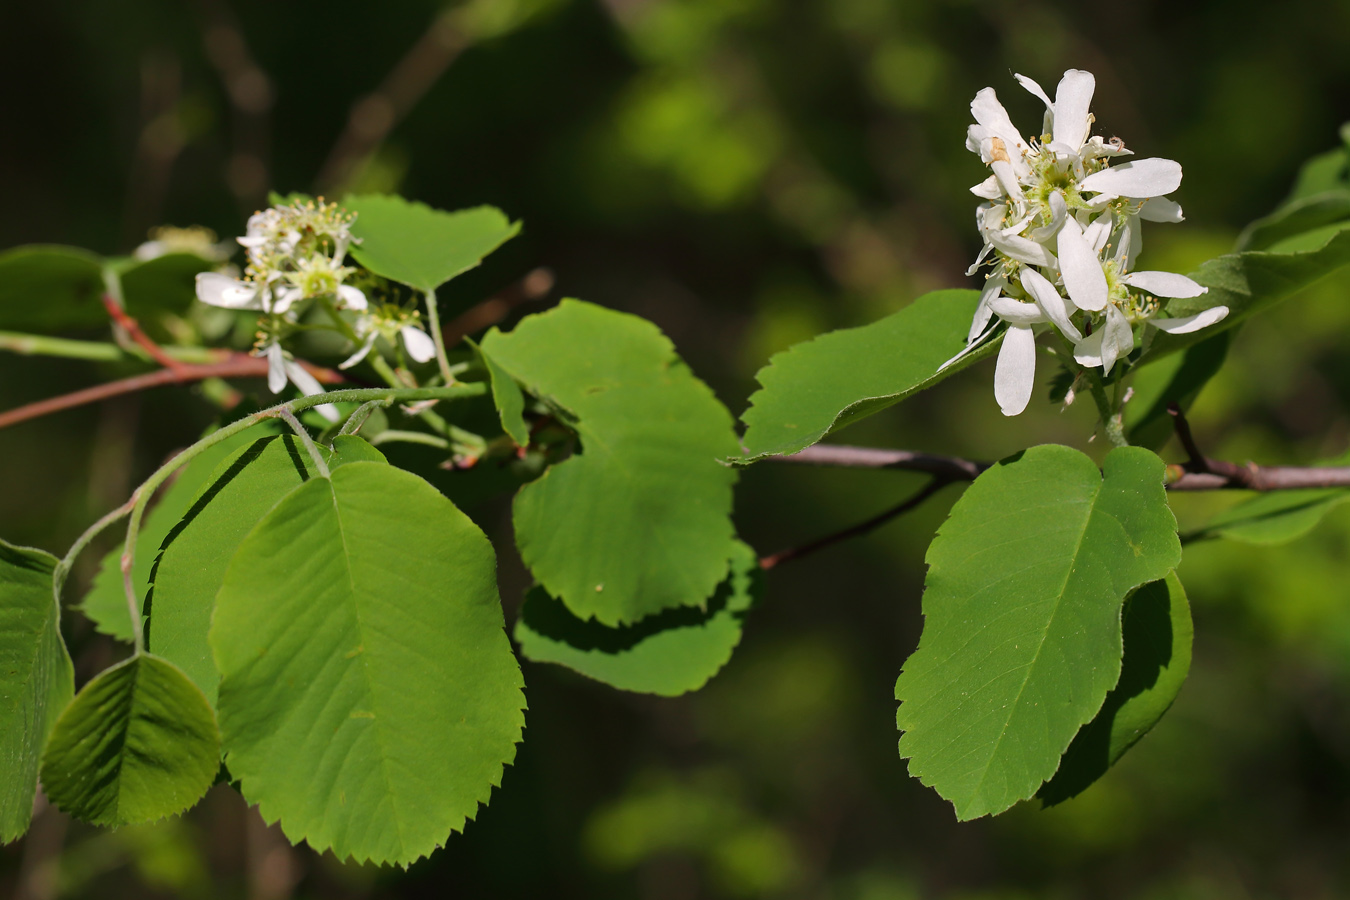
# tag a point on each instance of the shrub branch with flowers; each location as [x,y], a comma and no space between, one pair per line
[313,619]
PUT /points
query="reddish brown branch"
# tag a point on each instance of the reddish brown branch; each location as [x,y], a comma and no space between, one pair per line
[1218,475]
[937,484]
[234,365]
[133,329]
[533,287]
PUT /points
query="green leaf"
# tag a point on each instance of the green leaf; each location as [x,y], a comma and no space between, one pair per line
[138,744]
[50,288]
[1274,518]
[1178,378]
[670,653]
[1022,637]
[423,247]
[106,602]
[369,698]
[638,520]
[509,400]
[1248,283]
[194,555]
[831,381]
[1295,218]
[36,678]
[164,284]
[1157,632]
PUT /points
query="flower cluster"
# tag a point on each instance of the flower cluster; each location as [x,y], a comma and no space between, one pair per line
[1062,229]
[296,255]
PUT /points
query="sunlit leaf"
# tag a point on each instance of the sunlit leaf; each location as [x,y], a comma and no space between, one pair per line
[50,288]
[831,381]
[510,402]
[1022,635]
[1157,635]
[369,698]
[669,653]
[638,520]
[36,678]
[423,247]
[194,555]
[138,744]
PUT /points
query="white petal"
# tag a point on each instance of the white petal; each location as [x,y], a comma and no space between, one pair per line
[1143,178]
[1036,89]
[1088,351]
[359,355]
[1061,149]
[1022,249]
[1187,324]
[1160,209]
[984,251]
[1098,147]
[1055,307]
[230,293]
[1058,210]
[419,344]
[1016,312]
[988,189]
[351,297]
[1117,338]
[1082,271]
[1073,98]
[990,113]
[1097,233]
[276,369]
[1015,374]
[983,312]
[283,297]
[309,386]
[1131,239]
[1007,177]
[1164,284]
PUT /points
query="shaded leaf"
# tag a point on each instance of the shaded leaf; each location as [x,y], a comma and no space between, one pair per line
[669,653]
[1178,378]
[650,501]
[1157,634]
[510,402]
[1274,518]
[166,283]
[369,698]
[192,560]
[37,680]
[50,288]
[1022,635]
[138,744]
[106,602]
[423,247]
[822,385]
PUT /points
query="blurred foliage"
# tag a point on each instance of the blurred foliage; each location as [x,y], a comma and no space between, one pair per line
[745,173]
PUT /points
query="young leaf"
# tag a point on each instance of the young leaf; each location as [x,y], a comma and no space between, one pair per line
[1274,518]
[138,744]
[670,653]
[36,678]
[1157,629]
[638,520]
[831,381]
[1178,378]
[369,698]
[50,288]
[423,247]
[194,556]
[509,400]
[1022,637]
[106,602]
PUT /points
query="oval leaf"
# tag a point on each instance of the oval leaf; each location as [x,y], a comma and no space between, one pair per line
[1021,639]
[37,680]
[670,653]
[639,520]
[192,561]
[423,247]
[1157,634]
[49,288]
[138,744]
[820,386]
[369,698]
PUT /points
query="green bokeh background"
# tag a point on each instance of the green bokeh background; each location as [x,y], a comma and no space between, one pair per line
[745,173]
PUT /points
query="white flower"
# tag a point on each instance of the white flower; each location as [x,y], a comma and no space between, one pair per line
[281,369]
[417,342]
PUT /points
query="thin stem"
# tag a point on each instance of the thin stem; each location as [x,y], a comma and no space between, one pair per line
[63,568]
[96,351]
[434,321]
[358,418]
[928,490]
[391,435]
[381,367]
[289,418]
[141,339]
[1112,424]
